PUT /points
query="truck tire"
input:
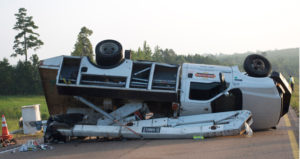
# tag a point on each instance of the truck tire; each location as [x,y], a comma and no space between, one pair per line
[54,122]
[257,66]
[108,53]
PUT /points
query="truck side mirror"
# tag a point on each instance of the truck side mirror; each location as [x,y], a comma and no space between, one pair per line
[222,81]
[222,78]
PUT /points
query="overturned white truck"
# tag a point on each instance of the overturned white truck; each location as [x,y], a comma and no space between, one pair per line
[119,97]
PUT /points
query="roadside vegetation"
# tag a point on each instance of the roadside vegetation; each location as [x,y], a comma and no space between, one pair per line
[11,107]
[295,96]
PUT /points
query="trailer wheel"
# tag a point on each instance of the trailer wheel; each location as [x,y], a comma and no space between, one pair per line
[108,53]
[257,66]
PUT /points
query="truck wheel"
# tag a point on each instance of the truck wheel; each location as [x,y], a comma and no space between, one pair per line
[66,121]
[108,53]
[257,66]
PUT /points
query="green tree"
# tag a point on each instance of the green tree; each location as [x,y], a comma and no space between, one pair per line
[23,78]
[138,55]
[36,75]
[6,77]
[83,46]
[26,38]
[169,56]
[147,51]
[157,55]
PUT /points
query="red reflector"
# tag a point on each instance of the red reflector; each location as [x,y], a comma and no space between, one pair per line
[175,106]
[205,75]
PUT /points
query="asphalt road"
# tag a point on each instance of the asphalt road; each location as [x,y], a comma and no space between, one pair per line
[281,143]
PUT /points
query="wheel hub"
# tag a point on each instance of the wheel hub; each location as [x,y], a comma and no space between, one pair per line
[258,65]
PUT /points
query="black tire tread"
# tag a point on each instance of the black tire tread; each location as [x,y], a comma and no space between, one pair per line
[103,59]
[255,73]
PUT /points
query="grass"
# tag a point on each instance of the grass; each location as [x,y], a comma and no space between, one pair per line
[11,107]
[295,97]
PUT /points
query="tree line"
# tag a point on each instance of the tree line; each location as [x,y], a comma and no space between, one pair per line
[169,56]
[285,61]
[22,79]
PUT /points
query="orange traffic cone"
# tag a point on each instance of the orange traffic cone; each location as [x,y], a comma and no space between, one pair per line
[5,132]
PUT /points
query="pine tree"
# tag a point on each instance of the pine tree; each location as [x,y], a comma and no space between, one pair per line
[26,38]
[147,51]
[83,46]
[157,55]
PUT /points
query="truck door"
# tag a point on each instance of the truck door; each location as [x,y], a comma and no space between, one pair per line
[202,84]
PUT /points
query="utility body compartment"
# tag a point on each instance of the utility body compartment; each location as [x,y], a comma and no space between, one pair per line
[129,80]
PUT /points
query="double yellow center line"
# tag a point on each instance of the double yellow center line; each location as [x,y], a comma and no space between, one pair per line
[292,138]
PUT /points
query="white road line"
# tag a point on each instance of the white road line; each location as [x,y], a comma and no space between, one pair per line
[1,152]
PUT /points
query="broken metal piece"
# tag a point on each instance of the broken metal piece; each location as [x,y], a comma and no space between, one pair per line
[229,123]
[144,70]
[94,107]
[121,113]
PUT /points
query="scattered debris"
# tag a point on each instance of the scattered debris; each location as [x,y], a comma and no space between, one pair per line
[198,137]
[33,145]
[249,132]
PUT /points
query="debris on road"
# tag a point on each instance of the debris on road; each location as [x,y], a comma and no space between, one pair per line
[198,137]
[33,145]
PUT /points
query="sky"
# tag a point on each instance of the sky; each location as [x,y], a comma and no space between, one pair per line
[187,27]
